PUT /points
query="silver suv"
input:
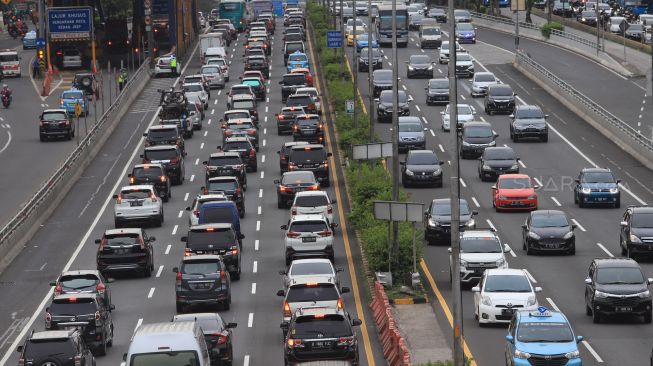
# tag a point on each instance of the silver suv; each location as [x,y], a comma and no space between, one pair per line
[309,236]
[311,291]
[138,203]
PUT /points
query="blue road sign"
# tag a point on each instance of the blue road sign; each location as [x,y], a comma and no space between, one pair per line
[40,42]
[278,7]
[334,39]
[70,23]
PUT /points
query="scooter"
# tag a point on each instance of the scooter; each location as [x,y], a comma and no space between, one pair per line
[6,101]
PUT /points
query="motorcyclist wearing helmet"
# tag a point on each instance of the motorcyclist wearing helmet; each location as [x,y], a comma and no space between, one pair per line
[5,91]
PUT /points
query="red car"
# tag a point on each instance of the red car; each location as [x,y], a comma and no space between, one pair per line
[307,72]
[514,192]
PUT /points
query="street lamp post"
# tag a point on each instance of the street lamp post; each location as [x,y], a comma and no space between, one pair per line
[355,66]
[370,69]
[395,129]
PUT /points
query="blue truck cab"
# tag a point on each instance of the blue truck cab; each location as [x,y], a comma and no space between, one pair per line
[297,60]
[70,98]
[541,337]
[221,212]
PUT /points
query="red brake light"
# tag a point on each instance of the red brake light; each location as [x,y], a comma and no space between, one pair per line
[153,197]
[251,130]
[293,210]
[293,234]
[78,360]
[340,304]
[100,288]
[146,161]
[179,278]
[286,309]
[174,161]
[223,275]
[163,178]
[324,233]
[58,290]
[131,180]
[97,315]
[252,153]
[238,191]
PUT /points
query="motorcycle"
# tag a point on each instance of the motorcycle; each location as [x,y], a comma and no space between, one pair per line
[6,100]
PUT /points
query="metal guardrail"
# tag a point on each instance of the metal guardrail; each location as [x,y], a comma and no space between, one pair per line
[576,38]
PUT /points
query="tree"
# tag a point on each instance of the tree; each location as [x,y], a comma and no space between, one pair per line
[117,9]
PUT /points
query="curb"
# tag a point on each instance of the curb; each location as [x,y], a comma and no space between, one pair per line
[409,300]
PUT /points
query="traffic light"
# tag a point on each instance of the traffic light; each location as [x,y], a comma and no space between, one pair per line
[41,54]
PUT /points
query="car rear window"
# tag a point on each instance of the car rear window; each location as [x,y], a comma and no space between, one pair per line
[307,155]
[218,214]
[235,90]
[55,116]
[308,226]
[122,239]
[304,293]
[236,115]
[236,145]
[193,88]
[242,104]
[169,133]
[39,348]
[160,154]
[77,281]
[299,100]
[311,201]
[200,266]
[294,79]
[64,307]
[329,326]
[224,160]
[72,95]
[298,177]
[147,172]
[218,238]
[210,70]
[229,185]
[317,268]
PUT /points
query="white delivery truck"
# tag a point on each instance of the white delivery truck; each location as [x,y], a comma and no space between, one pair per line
[209,40]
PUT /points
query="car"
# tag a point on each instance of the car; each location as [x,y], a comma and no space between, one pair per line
[462,16]
[228,164]
[196,91]
[411,134]
[499,98]
[243,127]
[290,48]
[313,203]
[311,267]
[587,17]
[616,287]
[315,97]
[137,203]
[87,311]
[384,105]
[71,350]
[313,158]
[381,80]
[338,341]
[239,89]
[214,76]
[437,220]
[257,63]
[635,32]
[475,137]
[258,85]
[309,236]
[297,59]
[164,135]
[430,37]
[195,114]
[364,62]
[218,335]
[362,41]
[200,199]
[480,250]
[294,35]
[415,17]
[548,231]
[563,9]
[444,52]
[286,119]
[202,280]
[514,192]
[481,81]
[292,182]
[29,40]
[419,65]
[465,33]
[154,174]
[285,152]
[125,250]
[307,74]
[308,127]
[82,281]
[465,114]
[500,293]
[246,149]
[72,58]
[421,167]
[236,114]
[597,186]
[302,100]
[87,82]
[464,64]
[162,67]
[254,74]
[351,36]
[437,91]
[245,102]
[255,50]
[541,337]
[70,98]
[201,79]
[439,14]
[496,161]
[308,291]
[230,187]
[528,121]
[172,159]
[636,235]
[218,239]
[290,83]
[220,62]
[56,123]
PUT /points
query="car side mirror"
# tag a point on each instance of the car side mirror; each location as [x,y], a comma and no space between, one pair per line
[19,349]
[579,339]
[546,116]
[334,225]
[536,186]
[329,154]
[376,100]
[53,283]
[402,163]
[345,290]
[496,135]
[175,269]
[142,156]
[410,99]
[276,181]
[474,213]
[356,322]
[476,289]
[618,181]
[588,281]
[281,82]
[231,325]
[426,129]
[283,227]
[110,280]
[442,112]
[339,269]
[524,226]
[187,208]
[183,239]
[577,180]
[512,116]
[450,250]
[538,289]
[493,187]
[145,134]
[510,338]
[334,201]
[281,293]
[649,281]
[426,88]
[115,196]
[98,241]
[573,226]
[241,236]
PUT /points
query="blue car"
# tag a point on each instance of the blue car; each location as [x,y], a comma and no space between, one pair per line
[361,42]
[596,186]
[541,337]
[29,41]
[297,60]
[70,98]
[465,33]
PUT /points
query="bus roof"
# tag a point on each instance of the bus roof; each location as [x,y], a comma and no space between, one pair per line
[383,7]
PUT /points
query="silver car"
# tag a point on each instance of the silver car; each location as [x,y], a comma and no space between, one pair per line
[214,75]
[481,81]
[444,52]
[200,199]
[313,203]
[319,291]
[302,268]
[138,203]
[465,114]
[222,63]
[411,134]
[196,91]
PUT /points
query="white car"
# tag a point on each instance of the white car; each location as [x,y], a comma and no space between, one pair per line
[500,293]
[162,66]
[481,81]
[137,203]
[214,76]
[315,96]
[614,22]
[72,58]
[196,91]
[464,64]
[479,250]
[309,236]
[302,268]
[311,291]
[465,114]
[444,51]
[200,199]
[312,203]
[222,63]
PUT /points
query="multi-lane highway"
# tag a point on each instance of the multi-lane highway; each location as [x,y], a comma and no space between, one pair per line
[66,240]
[572,145]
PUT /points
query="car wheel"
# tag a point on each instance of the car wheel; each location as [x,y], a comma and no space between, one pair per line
[241,213]
[529,250]
[617,204]
[235,275]
[102,349]
[280,203]
[572,250]
[580,203]
[117,223]
[544,138]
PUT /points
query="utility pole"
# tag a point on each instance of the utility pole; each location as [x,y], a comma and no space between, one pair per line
[370,69]
[598,28]
[41,30]
[395,127]
[516,28]
[458,356]
[342,41]
[355,66]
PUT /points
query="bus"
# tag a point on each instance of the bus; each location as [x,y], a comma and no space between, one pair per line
[384,25]
[236,11]
[638,7]
[261,6]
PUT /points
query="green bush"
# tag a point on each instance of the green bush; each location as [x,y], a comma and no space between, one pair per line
[546,28]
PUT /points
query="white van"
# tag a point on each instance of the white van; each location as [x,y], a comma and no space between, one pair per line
[168,344]
[215,52]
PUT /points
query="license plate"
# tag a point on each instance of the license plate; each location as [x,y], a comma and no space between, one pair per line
[507,311]
[135,203]
[322,344]
[226,171]
[308,239]
[601,199]
[120,251]
[309,132]
[202,286]
[623,309]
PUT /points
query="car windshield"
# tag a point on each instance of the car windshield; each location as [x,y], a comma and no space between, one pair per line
[308,226]
[200,267]
[463,109]
[556,220]
[432,31]
[619,275]
[515,183]
[480,245]
[304,293]
[297,58]
[529,113]
[422,159]
[217,61]
[216,239]
[72,95]
[122,239]
[311,201]
[642,220]
[499,154]
[228,185]
[55,116]
[328,326]
[420,59]
[410,127]
[242,104]
[147,172]
[387,97]
[155,155]
[77,281]
[411,9]
[478,132]
[464,27]
[444,209]
[544,332]
[292,47]
[484,78]
[444,46]
[502,91]
[240,126]
[463,57]
[635,27]
[193,88]
[252,82]
[210,70]
[237,90]
[384,76]
[439,84]
[507,283]
[597,178]
[171,358]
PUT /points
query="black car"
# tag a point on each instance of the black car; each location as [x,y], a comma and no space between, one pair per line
[217,335]
[499,98]
[587,17]
[304,101]
[308,127]
[528,121]
[496,161]
[86,81]
[475,137]
[244,147]
[286,119]
[421,167]
[384,105]
[637,231]
[292,182]
[285,151]
[364,62]
[164,135]
[635,32]
[313,158]
[290,83]
[125,250]
[615,287]
[437,91]
[258,63]
[563,9]
[218,239]
[87,311]
[228,164]
[154,174]
[548,231]
[202,279]
[55,347]
[171,157]
[335,340]
[56,123]
[230,187]
[419,66]
[381,80]
[437,220]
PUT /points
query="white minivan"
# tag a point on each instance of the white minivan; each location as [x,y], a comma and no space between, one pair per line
[168,344]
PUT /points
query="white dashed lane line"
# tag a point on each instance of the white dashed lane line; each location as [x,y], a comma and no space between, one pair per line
[462,182]
[579,225]
[258,225]
[530,276]
[158,272]
[192,177]
[255,267]
[186,196]
[553,304]
[556,201]
[174,229]
[522,164]
[168,249]
[473,198]
[441,147]
[254,288]
[151,293]
[197,161]
[260,193]
[250,320]
[181,213]
[256,243]
[605,249]
[491,224]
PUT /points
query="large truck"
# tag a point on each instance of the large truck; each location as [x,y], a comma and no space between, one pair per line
[210,40]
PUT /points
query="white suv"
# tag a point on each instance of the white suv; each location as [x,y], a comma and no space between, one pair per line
[313,203]
[138,203]
[303,268]
[309,236]
[479,250]
[319,291]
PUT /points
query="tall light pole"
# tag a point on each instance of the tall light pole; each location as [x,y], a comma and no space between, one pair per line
[342,41]
[395,128]
[598,28]
[355,66]
[370,69]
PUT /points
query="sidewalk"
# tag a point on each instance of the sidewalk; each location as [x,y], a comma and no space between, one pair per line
[423,334]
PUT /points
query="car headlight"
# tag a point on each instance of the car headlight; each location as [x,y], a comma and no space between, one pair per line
[501,262]
[502,197]
[419,138]
[569,235]
[601,295]
[532,300]
[493,143]
[485,300]
[522,355]
[586,190]
[463,264]
[430,67]
[533,236]
[634,238]
[614,190]
[433,223]
[572,354]
[411,68]
[465,143]
[582,19]
[409,173]
[470,223]
[470,67]
[644,295]
[486,167]
[514,166]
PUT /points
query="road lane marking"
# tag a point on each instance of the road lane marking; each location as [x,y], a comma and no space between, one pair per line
[592,351]
[432,133]
[174,229]
[266,109]
[539,182]
[138,324]
[264,142]
[206,133]
[258,225]
[553,304]
[260,193]
[555,201]
[149,294]
[158,272]
[246,360]
[579,225]
[404,87]
[197,161]
[256,242]
[512,252]
[209,121]
[255,267]
[522,164]
[250,320]
[265,130]
[491,224]
[216,101]
[417,107]
[168,249]
[605,250]
[425,120]
[202,145]
[262,174]
[7,143]
[254,288]
[462,182]
[186,196]
[475,202]
[192,177]
[259,210]
[263,158]
[181,213]
[212,111]
[530,276]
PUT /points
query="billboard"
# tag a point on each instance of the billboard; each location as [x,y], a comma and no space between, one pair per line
[67,23]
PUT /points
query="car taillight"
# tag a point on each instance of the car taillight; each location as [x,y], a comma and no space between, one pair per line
[21,361]
[41,123]
[48,319]
[281,117]
[330,209]
[251,131]
[284,189]
[293,210]
[325,164]
[311,106]
[223,337]
[100,288]
[293,234]
[58,290]
[119,199]
[252,153]
[315,187]
[292,166]
[174,161]
[324,233]
[97,315]
[295,343]
[238,191]
[163,178]
[223,276]
[229,132]
[340,304]
[233,250]
[131,180]
[346,341]
[178,278]
[78,360]
[286,309]
[146,161]
[196,212]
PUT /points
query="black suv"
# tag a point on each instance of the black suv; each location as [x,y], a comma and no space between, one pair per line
[86,311]
[285,151]
[244,147]
[437,220]
[125,250]
[637,231]
[364,62]
[384,105]
[302,100]
[475,137]
[226,164]
[286,119]
[381,80]
[308,127]
[230,187]
[86,81]
[259,63]
[617,286]
[55,347]
[56,123]
[218,239]
[499,98]
[293,182]
[313,158]
[170,157]
[202,280]
[154,174]
[496,161]
[164,135]
[528,121]
[290,83]
[217,335]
